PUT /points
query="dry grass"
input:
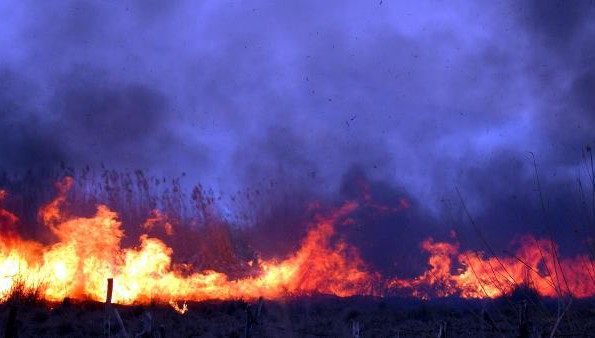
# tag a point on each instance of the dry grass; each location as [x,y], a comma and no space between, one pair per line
[23,293]
[317,316]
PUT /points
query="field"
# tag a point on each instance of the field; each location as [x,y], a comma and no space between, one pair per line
[316,316]
[311,312]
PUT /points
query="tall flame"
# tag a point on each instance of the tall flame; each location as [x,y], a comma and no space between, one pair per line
[88,250]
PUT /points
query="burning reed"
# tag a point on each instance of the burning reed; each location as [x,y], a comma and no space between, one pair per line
[78,253]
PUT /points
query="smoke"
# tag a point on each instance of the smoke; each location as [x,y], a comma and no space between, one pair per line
[425,97]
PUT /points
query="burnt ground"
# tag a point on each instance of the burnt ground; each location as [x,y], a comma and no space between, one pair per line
[318,316]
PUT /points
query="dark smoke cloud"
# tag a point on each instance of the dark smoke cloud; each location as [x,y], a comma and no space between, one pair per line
[424,97]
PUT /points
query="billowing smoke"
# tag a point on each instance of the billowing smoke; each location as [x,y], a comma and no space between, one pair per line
[304,97]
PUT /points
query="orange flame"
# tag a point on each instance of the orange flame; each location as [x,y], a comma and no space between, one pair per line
[158,219]
[179,309]
[8,222]
[88,250]
[534,264]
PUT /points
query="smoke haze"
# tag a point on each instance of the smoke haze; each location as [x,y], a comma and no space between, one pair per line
[416,98]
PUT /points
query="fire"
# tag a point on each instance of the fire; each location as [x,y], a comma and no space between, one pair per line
[8,222]
[473,275]
[157,218]
[88,250]
[179,309]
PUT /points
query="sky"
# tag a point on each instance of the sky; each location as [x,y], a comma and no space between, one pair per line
[422,97]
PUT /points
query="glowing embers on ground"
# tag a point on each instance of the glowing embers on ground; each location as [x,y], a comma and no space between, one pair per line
[88,250]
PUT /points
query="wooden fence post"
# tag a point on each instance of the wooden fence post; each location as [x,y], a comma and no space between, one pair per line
[108,303]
